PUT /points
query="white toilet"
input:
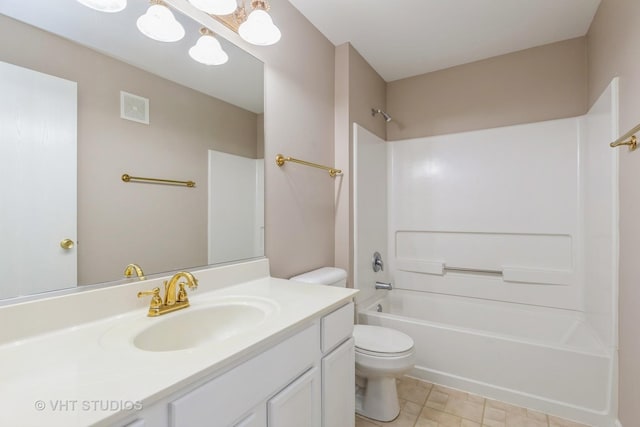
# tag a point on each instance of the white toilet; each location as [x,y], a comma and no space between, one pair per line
[381,354]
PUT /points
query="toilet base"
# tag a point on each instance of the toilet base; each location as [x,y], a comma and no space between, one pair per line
[378,400]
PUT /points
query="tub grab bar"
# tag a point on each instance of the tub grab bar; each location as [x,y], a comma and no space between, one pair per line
[470,270]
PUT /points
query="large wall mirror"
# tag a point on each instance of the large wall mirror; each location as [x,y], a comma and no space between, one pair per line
[121,103]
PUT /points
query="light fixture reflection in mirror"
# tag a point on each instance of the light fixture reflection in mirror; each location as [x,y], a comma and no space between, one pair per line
[216,7]
[110,6]
[208,50]
[160,24]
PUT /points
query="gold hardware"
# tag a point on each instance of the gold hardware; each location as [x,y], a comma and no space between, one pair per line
[632,143]
[129,178]
[131,268]
[280,160]
[628,138]
[156,302]
[233,20]
[66,244]
[173,300]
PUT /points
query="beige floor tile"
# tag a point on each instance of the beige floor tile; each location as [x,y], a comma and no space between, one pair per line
[559,422]
[516,420]
[423,422]
[363,422]
[465,409]
[413,390]
[410,407]
[469,423]
[405,419]
[459,394]
[442,419]
[437,399]
[494,417]
[535,415]
[506,407]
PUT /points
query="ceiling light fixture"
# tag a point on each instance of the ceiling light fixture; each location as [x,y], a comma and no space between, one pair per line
[160,24]
[208,50]
[216,7]
[110,6]
[259,28]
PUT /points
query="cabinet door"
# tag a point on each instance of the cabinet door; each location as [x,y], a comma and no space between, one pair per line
[298,404]
[338,387]
[257,418]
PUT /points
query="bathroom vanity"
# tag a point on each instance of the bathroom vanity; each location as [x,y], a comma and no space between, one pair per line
[250,351]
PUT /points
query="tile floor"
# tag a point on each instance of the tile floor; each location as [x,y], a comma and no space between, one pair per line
[423,404]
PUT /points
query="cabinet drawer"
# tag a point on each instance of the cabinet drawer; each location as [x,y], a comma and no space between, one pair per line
[336,327]
[223,400]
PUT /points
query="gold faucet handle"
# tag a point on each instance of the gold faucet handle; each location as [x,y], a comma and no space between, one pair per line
[182,293]
[156,301]
[134,268]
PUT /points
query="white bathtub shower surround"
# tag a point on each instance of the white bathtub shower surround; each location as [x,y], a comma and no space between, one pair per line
[503,199]
[531,210]
[550,360]
[370,207]
[535,203]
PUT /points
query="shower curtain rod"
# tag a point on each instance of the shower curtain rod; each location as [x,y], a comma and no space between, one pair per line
[280,160]
[628,138]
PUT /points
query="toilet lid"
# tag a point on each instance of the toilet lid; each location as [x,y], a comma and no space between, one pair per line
[381,340]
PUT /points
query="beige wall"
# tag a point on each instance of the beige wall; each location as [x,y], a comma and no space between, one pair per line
[298,122]
[358,89]
[160,227]
[541,83]
[614,50]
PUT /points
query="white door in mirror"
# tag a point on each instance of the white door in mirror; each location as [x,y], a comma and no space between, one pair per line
[38,123]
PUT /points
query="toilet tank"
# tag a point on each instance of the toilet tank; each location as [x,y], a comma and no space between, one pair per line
[324,276]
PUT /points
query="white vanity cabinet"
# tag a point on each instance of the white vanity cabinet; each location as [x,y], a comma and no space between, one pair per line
[305,380]
[338,368]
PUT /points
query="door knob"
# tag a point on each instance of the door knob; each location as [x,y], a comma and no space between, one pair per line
[66,244]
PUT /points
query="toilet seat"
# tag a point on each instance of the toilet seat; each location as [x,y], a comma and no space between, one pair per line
[381,342]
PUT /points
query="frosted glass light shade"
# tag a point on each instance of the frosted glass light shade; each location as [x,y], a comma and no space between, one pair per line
[208,51]
[259,29]
[105,5]
[160,24]
[216,7]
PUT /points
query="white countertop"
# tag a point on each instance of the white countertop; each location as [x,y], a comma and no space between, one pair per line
[82,374]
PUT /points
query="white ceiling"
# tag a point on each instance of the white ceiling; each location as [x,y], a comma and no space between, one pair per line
[239,81]
[403,38]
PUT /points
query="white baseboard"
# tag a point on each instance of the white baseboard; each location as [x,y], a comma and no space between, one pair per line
[618,423]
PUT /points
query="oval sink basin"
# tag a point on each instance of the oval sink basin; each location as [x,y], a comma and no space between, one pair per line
[194,326]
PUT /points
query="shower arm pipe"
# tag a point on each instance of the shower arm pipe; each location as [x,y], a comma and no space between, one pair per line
[280,161]
[628,138]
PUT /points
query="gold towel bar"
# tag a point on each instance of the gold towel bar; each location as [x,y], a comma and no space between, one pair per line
[627,139]
[280,160]
[128,178]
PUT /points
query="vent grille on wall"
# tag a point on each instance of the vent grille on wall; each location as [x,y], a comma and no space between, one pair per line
[134,108]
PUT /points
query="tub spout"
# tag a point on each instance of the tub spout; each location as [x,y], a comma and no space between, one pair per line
[383,285]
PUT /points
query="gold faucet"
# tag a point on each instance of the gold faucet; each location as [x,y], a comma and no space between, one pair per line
[173,300]
[131,268]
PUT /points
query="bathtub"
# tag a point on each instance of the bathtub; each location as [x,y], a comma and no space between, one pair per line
[541,358]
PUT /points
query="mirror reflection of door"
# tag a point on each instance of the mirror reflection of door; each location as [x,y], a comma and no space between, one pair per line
[236,207]
[38,138]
